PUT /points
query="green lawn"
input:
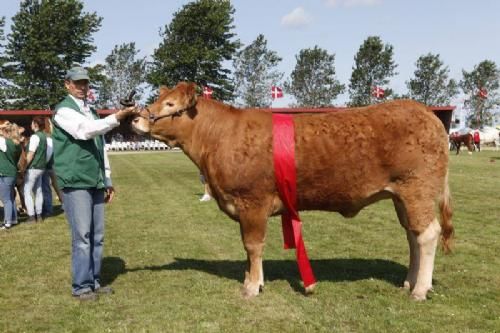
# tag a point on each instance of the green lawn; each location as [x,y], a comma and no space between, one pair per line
[177,264]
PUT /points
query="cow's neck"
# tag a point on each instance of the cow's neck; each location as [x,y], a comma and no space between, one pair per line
[198,131]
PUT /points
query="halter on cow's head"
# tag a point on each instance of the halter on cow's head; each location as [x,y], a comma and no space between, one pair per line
[171,103]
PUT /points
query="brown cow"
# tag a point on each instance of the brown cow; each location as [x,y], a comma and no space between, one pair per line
[345,161]
[456,141]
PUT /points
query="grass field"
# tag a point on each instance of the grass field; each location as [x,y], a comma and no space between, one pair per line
[177,264]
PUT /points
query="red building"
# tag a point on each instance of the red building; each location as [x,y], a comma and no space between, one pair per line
[24,117]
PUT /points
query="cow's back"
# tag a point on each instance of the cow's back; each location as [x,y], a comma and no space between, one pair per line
[346,156]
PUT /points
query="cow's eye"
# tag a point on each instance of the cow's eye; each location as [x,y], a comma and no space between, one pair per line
[169,104]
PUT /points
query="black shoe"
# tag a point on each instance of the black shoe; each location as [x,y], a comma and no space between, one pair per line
[86,296]
[31,219]
[105,290]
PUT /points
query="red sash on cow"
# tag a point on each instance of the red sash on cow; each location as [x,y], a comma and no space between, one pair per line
[285,173]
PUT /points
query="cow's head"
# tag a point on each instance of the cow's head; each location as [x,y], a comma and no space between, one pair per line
[158,117]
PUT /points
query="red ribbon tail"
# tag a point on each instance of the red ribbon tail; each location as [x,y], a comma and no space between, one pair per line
[284,169]
[305,269]
[288,235]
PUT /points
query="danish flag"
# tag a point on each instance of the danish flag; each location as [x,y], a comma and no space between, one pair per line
[276,92]
[207,92]
[378,92]
[483,93]
[90,96]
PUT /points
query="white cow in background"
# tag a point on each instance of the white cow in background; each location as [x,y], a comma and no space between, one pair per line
[489,135]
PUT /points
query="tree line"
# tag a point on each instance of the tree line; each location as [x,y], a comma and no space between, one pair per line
[197,44]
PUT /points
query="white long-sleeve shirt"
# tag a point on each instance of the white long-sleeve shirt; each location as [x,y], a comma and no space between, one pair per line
[85,127]
[3,144]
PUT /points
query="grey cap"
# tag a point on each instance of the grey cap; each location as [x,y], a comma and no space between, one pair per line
[77,73]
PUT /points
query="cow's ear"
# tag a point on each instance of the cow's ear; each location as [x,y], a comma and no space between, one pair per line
[187,94]
[191,95]
[163,90]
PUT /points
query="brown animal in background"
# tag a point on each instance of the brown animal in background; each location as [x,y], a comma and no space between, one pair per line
[457,139]
[345,161]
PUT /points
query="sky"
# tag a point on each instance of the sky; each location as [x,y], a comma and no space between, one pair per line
[462,32]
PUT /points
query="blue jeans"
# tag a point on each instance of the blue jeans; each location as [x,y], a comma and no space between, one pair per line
[47,194]
[8,198]
[33,184]
[84,209]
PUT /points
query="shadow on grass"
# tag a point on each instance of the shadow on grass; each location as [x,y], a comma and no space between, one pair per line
[23,216]
[324,269]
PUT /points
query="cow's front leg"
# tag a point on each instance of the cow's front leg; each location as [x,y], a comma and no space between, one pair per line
[253,234]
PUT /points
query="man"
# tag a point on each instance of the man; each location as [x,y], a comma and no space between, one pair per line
[83,174]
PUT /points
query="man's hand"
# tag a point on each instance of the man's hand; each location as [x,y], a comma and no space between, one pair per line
[110,193]
[127,112]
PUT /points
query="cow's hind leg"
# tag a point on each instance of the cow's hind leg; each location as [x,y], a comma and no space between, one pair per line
[253,225]
[423,230]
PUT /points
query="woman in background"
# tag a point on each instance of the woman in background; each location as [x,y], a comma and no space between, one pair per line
[37,163]
[10,153]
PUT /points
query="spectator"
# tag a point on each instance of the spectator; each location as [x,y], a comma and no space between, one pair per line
[10,153]
[48,178]
[37,161]
[477,140]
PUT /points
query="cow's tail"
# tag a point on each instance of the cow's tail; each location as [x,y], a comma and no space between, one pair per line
[446,212]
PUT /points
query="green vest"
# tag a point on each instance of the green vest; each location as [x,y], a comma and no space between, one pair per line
[39,161]
[9,159]
[77,163]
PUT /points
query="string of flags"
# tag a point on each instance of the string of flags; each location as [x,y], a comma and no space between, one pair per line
[276,92]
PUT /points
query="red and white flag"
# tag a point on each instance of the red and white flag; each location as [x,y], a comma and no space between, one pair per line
[91,96]
[378,92]
[483,93]
[207,92]
[276,92]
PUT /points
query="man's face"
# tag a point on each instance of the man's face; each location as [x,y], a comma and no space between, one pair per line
[77,88]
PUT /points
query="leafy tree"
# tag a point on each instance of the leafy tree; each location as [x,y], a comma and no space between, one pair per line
[2,61]
[122,72]
[195,45]
[373,68]
[313,82]
[486,76]
[431,85]
[255,73]
[46,39]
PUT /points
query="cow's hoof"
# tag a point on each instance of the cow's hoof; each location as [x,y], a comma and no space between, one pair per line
[310,289]
[418,297]
[249,292]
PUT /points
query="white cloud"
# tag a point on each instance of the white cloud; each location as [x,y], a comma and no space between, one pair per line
[297,18]
[352,3]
